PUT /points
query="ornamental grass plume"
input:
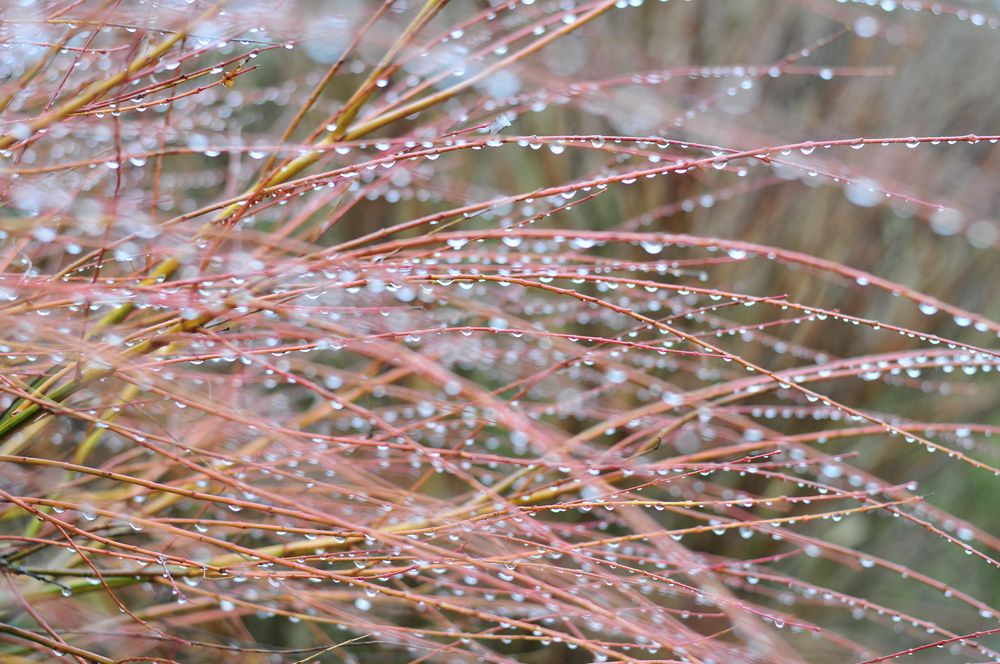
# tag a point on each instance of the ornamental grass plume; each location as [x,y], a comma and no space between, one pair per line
[505,331]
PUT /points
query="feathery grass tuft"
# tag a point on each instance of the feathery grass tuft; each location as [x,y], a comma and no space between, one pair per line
[502,331]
